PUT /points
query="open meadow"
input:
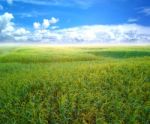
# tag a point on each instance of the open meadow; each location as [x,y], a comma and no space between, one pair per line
[74,85]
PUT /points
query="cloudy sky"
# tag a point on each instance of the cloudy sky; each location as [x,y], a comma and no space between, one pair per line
[75,21]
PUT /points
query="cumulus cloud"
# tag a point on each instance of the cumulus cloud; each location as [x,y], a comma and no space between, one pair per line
[53,20]
[95,34]
[8,30]
[36,25]
[126,33]
[90,34]
[5,21]
[46,23]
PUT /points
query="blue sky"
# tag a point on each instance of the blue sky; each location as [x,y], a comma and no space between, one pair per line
[76,13]
[71,14]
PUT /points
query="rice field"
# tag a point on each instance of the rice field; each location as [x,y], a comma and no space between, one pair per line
[74,85]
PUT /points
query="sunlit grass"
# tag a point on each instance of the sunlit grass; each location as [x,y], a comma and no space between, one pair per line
[74,85]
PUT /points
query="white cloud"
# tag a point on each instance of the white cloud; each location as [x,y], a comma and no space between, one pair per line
[46,23]
[5,21]
[8,30]
[21,34]
[100,34]
[127,33]
[53,20]
[36,25]
[21,31]
[90,34]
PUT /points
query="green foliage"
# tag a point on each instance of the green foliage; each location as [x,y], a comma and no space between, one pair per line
[56,85]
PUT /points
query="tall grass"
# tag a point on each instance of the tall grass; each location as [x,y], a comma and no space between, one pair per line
[46,85]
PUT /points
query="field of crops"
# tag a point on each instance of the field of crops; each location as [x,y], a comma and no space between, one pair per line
[74,85]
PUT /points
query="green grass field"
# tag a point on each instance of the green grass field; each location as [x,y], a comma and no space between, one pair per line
[74,85]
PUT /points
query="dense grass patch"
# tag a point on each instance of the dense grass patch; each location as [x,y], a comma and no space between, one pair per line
[79,87]
[122,54]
